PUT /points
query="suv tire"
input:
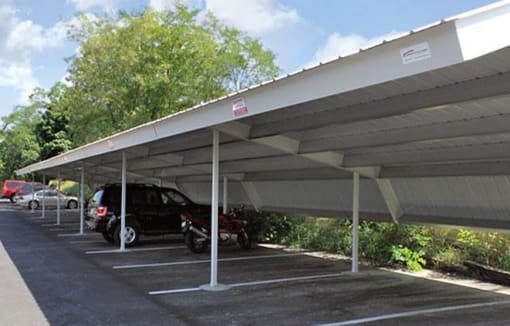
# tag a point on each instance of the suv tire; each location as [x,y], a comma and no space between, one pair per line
[132,234]
[108,237]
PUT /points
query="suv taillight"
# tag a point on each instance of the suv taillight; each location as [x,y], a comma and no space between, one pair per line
[101,211]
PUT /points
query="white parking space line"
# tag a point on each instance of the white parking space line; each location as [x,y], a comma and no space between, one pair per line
[417,313]
[175,291]
[47,225]
[253,283]
[76,234]
[116,251]
[87,241]
[204,261]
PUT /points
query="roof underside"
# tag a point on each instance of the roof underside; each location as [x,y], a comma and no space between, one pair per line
[431,139]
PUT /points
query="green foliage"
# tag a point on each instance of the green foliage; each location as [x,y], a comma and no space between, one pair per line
[413,260]
[388,243]
[132,69]
[53,130]
[19,145]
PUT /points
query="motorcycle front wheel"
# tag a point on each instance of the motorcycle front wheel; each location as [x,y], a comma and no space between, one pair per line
[195,243]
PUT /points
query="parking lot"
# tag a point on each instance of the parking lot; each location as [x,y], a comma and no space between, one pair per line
[83,280]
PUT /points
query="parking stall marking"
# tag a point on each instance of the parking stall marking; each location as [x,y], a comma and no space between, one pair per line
[76,234]
[116,251]
[204,261]
[86,241]
[417,313]
[253,283]
[61,224]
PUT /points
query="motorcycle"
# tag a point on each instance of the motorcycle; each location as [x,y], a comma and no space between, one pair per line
[232,227]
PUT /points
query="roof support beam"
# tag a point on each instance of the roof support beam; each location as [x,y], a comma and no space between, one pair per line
[498,123]
[434,153]
[391,198]
[490,86]
[252,194]
[289,145]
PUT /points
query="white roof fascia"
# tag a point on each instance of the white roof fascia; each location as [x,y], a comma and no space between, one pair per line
[462,37]
[484,30]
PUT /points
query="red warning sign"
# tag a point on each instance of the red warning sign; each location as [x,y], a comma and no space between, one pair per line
[239,108]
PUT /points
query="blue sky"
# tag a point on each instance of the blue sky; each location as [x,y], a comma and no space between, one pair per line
[33,41]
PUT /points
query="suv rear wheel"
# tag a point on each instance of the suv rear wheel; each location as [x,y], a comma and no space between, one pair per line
[108,237]
[132,234]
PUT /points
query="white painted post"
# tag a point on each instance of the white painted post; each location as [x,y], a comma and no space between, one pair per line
[33,194]
[225,195]
[43,214]
[58,197]
[214,209]
[82,198]
[123,205]
[355,221]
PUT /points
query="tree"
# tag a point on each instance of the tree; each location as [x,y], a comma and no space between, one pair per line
[134,68]
[53,130]
[19,146]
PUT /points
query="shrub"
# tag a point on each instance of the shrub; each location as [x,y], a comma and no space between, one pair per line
[413,260]
[388,243]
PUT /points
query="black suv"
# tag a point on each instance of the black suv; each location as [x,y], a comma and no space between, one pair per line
[150,210]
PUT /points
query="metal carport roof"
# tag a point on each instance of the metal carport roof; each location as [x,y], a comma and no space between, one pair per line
[423,118]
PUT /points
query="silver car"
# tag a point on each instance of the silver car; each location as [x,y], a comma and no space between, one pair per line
[50,199]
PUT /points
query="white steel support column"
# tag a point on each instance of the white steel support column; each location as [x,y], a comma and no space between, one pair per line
[214,208]
[33,194]
[355,221]
[43,213]
[82,197]
[58,196]
[123,205]
[225,195]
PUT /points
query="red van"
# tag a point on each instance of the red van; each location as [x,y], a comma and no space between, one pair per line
[10,187]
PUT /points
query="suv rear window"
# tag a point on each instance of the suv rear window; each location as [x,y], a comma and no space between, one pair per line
[96,199]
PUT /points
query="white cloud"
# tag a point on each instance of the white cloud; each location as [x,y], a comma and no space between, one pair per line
[340,45]
[20,40]
[256,17]
[162,5]
[88,4]
[21,78]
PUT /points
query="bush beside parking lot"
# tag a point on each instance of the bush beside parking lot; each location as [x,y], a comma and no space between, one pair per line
[389,244]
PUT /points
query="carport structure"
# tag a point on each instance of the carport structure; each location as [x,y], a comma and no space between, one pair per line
[413,130]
